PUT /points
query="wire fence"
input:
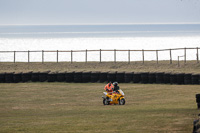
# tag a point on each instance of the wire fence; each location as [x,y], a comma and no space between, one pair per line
[101,55]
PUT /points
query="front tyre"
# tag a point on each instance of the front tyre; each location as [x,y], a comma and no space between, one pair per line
[122,101]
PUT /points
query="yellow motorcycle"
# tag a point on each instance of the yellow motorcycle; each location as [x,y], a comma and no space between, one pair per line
[114,98]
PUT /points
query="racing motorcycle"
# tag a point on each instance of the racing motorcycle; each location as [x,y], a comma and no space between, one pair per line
[114,98]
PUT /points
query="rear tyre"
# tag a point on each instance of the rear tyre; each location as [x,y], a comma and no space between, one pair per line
[105,102]
[122,101]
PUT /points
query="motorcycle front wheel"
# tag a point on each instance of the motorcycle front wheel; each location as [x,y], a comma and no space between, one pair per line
[122,101]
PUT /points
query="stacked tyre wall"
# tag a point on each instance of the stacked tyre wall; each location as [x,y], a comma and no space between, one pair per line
[198,100]
[96,76]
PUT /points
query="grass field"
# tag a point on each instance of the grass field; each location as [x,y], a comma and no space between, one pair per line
[70,107]
[148,66]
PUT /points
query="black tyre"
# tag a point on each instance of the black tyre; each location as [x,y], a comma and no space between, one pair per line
[198,105]
[26,76]
[95,77]
[198,96]
[195,78]
[78,77]
[120,77]
[52,77]
[167,78]
[61,76]
[111,76]
[2,77]
[188,78]
[103,77]
[159,77]
[105,102]
[145,77]
[122,101]
[152,78]
[9,77]
[128,77]
[35,76]
[17,77]
[86,77]
[180,78]
[69,76]
[173,78]
[43,76]
[197,100]
[136,77]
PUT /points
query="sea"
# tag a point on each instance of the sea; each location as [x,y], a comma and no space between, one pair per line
[95,37]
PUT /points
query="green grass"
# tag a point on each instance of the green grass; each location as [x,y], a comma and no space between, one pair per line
[70,107]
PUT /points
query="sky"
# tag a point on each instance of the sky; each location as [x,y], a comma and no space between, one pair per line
[53,12]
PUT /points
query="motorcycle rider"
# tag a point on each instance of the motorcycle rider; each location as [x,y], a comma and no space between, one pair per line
[116,87]
[109,88]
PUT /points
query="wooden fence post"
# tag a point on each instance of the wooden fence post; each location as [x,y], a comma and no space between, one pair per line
[14,56]
[157,56]
[143,55]
[42,56]
[86,56]
[57,56]
[197,55]
[115,55]
[71,56]
[100,55]
[129,56]
[185,55]
[28,56]
[170,54]
[178,62]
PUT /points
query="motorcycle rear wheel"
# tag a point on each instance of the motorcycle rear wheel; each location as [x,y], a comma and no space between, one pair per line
[105,102]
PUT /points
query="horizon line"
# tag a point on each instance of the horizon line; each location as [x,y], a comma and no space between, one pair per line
[97,24]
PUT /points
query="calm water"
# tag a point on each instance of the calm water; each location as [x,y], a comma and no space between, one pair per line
[81,37]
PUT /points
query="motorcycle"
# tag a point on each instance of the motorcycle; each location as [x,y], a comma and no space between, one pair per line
[114,98]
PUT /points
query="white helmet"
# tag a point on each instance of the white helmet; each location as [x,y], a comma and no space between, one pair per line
[115,83]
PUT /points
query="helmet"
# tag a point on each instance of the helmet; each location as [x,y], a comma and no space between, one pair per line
[115,83]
